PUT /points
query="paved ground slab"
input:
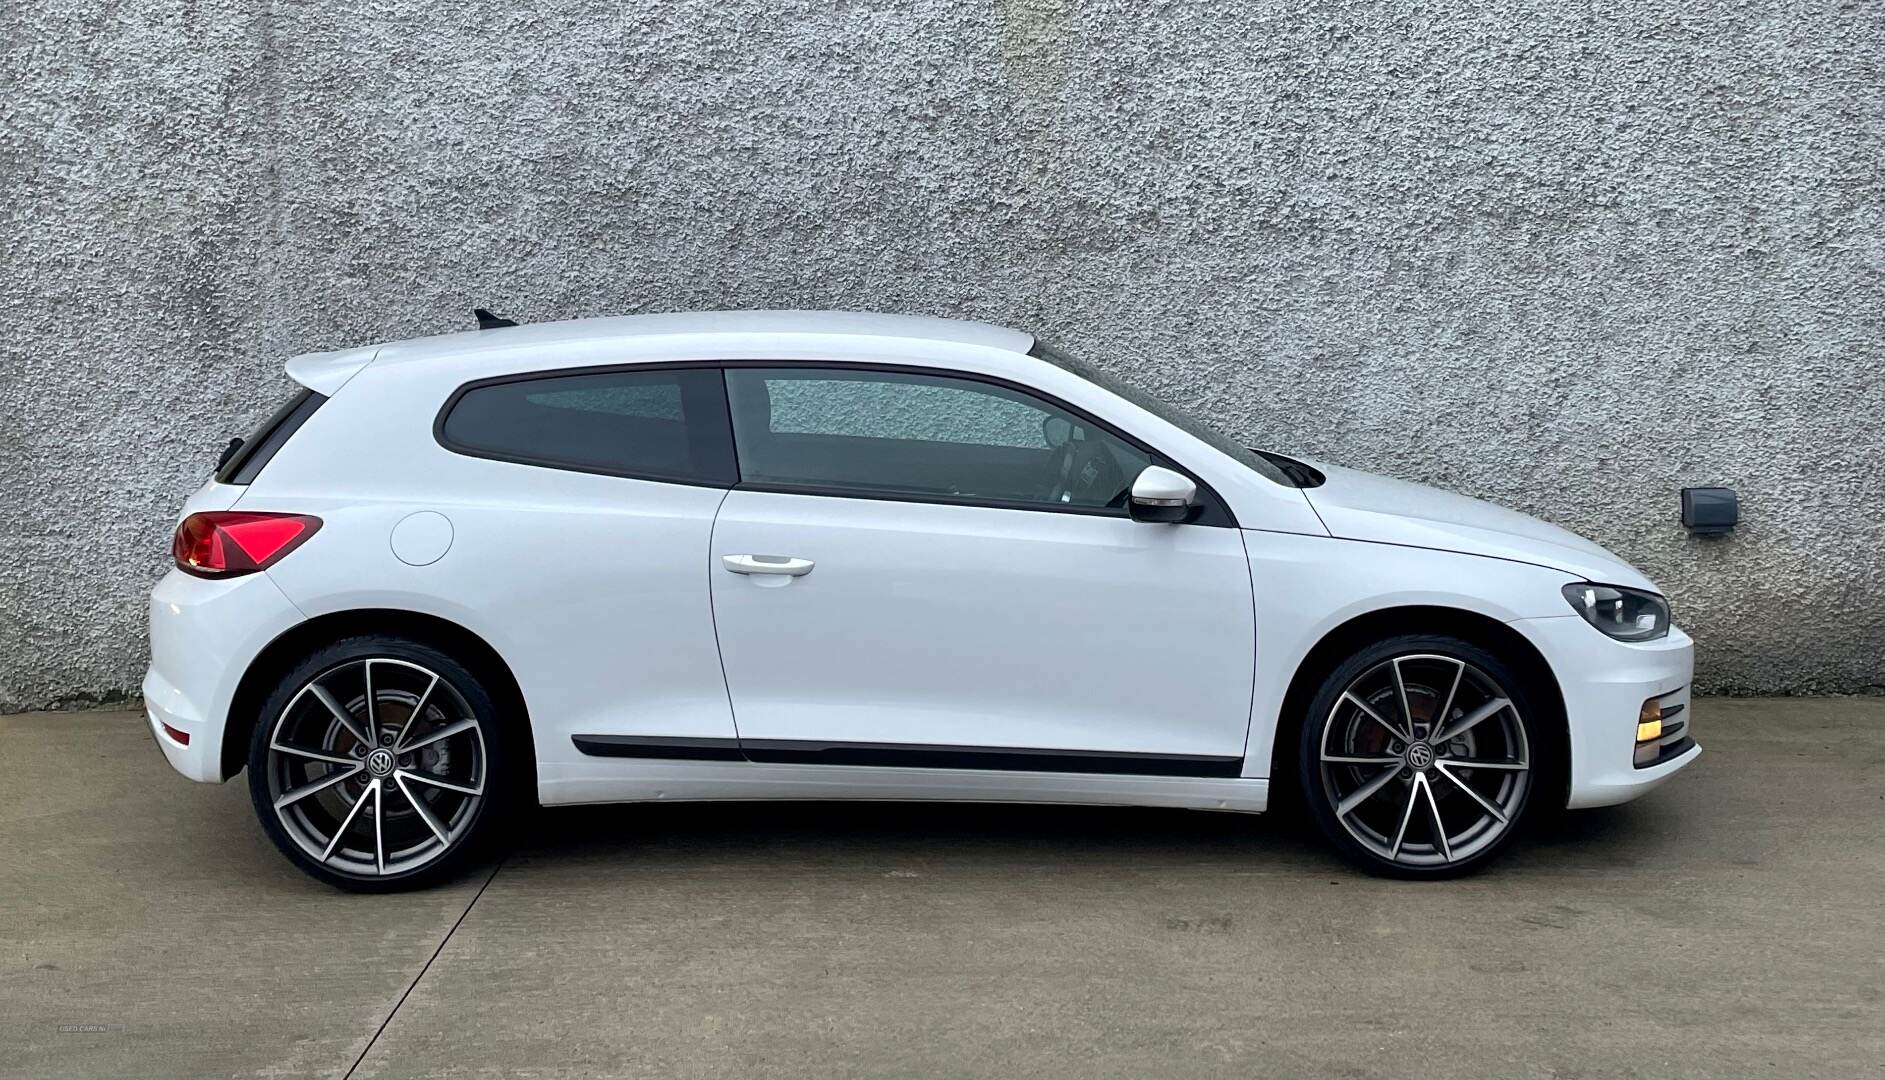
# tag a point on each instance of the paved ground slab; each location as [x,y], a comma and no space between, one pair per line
[149,929]
[1728,925]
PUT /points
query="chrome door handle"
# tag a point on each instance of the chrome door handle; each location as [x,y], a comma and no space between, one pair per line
[766,564]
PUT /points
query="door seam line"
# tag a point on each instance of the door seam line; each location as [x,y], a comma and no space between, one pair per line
[713,613]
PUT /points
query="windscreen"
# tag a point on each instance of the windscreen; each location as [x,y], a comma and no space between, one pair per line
[1164,410]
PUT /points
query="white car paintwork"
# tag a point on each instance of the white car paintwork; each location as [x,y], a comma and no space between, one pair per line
[421,538]
[1361,506]
[1609,680]
[592,588]
[605,780]
[326,372]
[919,623]
[1306,587]
[976,626]
[196,625]
[1163,486]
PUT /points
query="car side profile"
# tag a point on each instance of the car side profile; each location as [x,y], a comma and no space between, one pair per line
[813,555]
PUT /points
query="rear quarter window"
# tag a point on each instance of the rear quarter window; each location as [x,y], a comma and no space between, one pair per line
[652,425]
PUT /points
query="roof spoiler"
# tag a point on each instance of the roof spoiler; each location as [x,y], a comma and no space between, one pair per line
[488,321]
[326,372]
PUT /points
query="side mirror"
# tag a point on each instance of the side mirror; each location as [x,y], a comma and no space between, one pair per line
[1162,496]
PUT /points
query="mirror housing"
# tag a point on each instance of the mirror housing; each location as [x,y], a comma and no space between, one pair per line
[1162,496]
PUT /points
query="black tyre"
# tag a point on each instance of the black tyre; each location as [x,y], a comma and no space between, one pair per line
[378,765]
[1422,757]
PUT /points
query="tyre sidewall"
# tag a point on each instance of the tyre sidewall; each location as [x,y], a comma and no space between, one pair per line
[494,808]
[1308,765]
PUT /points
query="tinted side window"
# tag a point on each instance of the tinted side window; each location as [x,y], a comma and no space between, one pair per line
[927,436]
[658,425]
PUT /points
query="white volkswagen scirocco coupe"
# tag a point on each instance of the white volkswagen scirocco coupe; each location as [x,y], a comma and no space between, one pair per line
[800,555]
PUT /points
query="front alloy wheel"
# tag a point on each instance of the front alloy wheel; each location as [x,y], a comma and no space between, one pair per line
[1419,757]
[373,765]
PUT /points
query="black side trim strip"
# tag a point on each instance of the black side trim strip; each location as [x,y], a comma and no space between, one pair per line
[649,746]
[921,756]
[908,755]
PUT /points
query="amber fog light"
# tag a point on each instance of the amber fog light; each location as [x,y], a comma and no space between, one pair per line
[1649,721]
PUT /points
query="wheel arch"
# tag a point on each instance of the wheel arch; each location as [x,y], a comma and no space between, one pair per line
[288,647]
[1382,623]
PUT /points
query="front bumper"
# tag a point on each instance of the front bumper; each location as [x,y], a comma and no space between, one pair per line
[1605,683]
[204,635]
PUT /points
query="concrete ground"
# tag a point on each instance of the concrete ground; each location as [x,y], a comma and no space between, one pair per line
[1731,924]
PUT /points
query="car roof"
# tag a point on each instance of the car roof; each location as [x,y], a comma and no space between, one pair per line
[910,327]
[327,372]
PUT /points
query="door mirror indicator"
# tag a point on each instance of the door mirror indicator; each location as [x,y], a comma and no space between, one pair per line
[1162,496]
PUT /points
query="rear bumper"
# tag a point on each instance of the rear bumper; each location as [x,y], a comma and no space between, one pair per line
[1605,683]
[204,635]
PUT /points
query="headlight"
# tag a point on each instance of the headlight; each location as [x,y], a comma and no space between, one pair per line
[1624,614]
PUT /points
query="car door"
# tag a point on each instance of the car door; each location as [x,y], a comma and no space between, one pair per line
[937,570]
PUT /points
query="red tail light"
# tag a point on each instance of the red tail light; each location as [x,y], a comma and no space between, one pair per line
[224,543]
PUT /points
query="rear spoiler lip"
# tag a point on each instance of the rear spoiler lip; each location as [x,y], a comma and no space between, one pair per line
[326,372]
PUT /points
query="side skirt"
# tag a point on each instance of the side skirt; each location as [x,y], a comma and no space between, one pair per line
[648,779]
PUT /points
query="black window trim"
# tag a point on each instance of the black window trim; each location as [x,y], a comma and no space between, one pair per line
[1214,511]
[562,464]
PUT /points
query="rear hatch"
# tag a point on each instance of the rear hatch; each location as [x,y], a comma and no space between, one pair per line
[244,458]
[317,377]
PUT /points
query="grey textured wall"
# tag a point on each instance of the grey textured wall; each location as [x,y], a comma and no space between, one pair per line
[1565,256]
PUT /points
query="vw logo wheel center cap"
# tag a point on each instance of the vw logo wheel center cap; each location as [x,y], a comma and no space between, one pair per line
[380,761]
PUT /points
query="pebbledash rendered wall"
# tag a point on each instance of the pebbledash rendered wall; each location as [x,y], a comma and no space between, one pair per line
[1567,256]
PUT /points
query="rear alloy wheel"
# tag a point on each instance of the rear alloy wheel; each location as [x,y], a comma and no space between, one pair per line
[373,766]
[1419,757]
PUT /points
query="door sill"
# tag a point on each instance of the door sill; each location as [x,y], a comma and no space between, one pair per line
[622,780]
